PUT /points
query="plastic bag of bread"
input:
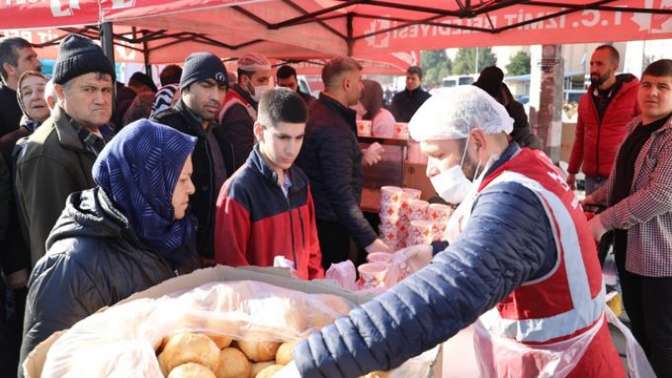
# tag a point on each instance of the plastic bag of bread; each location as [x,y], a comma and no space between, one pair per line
[236,329]
[152,337]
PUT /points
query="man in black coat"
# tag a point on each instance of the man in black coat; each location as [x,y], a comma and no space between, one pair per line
[407,102]
[333,162]
[203,84]
[491,80]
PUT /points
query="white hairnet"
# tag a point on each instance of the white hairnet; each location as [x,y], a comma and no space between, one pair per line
[253,62]
[453,112]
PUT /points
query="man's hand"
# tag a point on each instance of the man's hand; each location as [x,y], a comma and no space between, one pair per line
[378,246]
[588,201]
[373,154]
[571,181]
[596,227]
[416,255]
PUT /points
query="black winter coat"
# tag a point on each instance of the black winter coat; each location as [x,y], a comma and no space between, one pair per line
[93,260]
[332,160]
[208,176]
[406,103]
[522,132]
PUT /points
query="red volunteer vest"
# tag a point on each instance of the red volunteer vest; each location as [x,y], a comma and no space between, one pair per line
[570,298]
[232,97]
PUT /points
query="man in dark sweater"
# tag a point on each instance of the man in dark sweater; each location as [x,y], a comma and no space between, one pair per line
[16,57]
[333,162]
[407,102]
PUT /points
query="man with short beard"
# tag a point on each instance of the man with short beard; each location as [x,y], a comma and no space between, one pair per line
[203,84]
[604,112]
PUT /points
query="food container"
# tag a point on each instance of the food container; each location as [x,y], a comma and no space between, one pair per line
[364,128]
[438,229]
[412,193]
[388,222]
[439,213]
[417,210]
[400,130]
[381,257]
[391,195]
[372,275]
[419,232]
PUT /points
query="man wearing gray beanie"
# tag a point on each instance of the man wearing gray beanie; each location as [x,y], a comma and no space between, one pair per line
[203,84]
[58,157]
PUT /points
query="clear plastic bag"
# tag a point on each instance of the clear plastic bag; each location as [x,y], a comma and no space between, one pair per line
[554,360]
[638,364]
[499,356]
[121,341]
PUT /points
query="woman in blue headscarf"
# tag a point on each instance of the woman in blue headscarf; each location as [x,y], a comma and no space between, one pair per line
[129,233]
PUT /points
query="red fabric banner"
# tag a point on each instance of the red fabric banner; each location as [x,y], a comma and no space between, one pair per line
[33,14]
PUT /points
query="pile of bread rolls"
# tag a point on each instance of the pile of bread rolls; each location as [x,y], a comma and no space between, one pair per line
[187,355]
[196,355]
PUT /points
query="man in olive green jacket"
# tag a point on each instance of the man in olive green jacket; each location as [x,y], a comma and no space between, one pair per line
[57,159]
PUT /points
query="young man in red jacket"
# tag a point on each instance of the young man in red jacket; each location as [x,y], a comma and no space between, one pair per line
[604,112]
[265,214]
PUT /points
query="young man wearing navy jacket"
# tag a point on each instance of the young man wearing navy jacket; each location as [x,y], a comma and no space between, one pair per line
[265,214]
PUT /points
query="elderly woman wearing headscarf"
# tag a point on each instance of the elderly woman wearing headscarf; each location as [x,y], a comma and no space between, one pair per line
[30,96]
[127,234]
[382,121]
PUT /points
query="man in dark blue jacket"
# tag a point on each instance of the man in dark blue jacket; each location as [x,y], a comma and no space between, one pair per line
[333,162]
[545,281]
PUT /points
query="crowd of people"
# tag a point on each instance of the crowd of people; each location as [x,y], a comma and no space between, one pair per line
[107,189]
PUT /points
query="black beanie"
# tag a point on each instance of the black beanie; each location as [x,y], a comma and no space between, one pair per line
[203,66]
[77,56]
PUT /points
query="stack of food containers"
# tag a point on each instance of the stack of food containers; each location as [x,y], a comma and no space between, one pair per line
[390,217]
[407,220]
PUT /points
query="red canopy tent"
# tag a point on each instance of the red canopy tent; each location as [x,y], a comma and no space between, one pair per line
[162,31]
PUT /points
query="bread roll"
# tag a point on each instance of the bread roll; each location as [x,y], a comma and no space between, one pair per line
[259,351]
[377,374]
[259,366]
[269,371]
[191,370]
[284,354]
[233,364]
[189,347]
[221,341]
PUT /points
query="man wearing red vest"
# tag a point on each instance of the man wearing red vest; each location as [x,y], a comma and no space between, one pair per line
[604,112]
[239,110]
[524,264]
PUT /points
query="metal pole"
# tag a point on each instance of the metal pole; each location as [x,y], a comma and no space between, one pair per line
[145,54]
[350,41]
[107,41]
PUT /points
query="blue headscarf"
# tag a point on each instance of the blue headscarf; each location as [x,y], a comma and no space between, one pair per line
[138,170]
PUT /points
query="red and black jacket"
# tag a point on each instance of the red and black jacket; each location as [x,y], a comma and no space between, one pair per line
[597,139]
[255,222]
